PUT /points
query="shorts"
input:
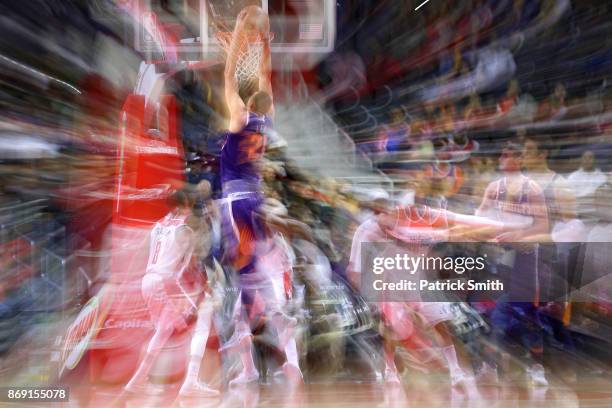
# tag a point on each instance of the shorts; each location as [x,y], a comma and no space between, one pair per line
[397,320]
[167,305]
[433,313]
[398,317]
[242,227]
[262,293]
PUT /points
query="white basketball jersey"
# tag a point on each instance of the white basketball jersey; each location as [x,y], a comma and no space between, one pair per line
[518,212]
[166,257]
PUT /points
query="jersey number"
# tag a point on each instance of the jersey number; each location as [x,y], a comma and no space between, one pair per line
[251,148]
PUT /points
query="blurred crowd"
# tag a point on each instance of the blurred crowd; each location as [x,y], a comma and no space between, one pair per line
[438,106]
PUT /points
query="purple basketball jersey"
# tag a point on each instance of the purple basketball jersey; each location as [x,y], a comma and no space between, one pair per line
[242,151]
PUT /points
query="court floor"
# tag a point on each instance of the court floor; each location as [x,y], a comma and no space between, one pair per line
[419,391]
[584,385]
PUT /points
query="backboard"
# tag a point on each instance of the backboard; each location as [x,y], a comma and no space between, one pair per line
[186,30]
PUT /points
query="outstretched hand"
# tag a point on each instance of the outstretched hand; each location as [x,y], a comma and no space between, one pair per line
[241,18]
[253,18]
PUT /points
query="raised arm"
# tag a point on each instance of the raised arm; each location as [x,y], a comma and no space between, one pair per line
[265,71]
[236,106]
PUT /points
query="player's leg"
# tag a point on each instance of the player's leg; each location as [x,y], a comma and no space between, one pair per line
[243,261]
[242,339]
[532,339]
[241,239]
[245,234]
[503,324]
[396,325]
[163,317]
[427,353]
[437,315]
[391,372]
[284,326]
[157,342]
[449,351]
[244,346]
[192,385]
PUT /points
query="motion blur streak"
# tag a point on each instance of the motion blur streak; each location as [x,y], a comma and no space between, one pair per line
[442,128]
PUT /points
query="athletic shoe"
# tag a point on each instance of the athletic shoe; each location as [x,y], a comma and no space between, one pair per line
[391,377]
[197,389]
[537,375]
[145,389]
[487,374]
[234,341]
[244,378]
[293,373]
[460,378]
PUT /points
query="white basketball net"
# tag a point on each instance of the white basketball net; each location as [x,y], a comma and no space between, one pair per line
[249,55]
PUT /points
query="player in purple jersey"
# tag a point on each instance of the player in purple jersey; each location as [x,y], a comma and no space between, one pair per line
[243,149]
[244,224]
[519,200]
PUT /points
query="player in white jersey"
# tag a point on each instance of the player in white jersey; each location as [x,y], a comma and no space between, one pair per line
[170,248]
[171,287]
[416,228]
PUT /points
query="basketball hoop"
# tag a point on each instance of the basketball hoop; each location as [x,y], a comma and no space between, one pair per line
[250,53]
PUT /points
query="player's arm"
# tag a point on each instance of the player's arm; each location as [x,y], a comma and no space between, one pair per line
[480,219]
[153,246]
[236,106]
[476,227]
[472,227]
[265,71]
[475,221]
[292,228]
[185,244]
[487,200]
